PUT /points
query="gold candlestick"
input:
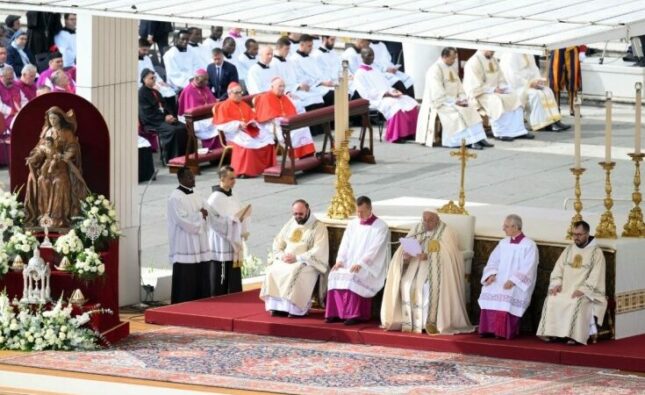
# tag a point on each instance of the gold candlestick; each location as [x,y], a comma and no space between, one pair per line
[606,228]
[451,207]
[635,226]
[577,204]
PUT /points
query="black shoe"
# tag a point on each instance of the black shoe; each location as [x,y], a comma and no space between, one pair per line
[296,316]
[505,138]
[527,136]
[485,143]
[486,335]
[331,320]
[562,126]
[277,313]
[559,128]
[573,114]
[352,321]
[547,129]
[476,146]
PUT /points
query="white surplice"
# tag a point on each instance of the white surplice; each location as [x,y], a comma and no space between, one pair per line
[481,77]
[372,85]
[240,44]
[520,71]
[259,78]
[243,64]
[366,246]
[329,63]
[288,286]
[443,88]
[160,85]
[200,53]
[577,269]
[383,60]
[187,229]
[309,72]
[180,67]
[517,263]
[290,73]
[225,230]
[66,43]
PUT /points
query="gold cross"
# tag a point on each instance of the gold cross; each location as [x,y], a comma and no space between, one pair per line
[463,155]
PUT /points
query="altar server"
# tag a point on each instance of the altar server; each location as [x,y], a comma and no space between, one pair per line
[253,148]
[145,62]
[576,299]
[262,72]
[190,254]
[299,257]
[180,62]
[523,75]
[383,61]
[444,97]
[271,108]
[485,85]
[508,281]
[329,62]
[197,94]
[214,40]
[400,111]
[65,40]
[361,265]
[235,33]
[309,72]
[226,235]
[247,58]
[426,292]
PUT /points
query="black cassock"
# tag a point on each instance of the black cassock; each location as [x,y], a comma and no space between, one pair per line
[152,114]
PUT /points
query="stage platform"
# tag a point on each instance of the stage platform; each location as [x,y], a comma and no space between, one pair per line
[244,313]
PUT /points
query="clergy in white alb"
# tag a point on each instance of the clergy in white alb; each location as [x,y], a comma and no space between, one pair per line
[296,84]
[197,94]
[329,62]
[426,291]
[190,253]
[240,38]
[401,111]
[261,73]
[145,62]
[444,97]
[485,85]
[180,63]
[299,257]
[65,40]
[576,299]
[214,40]
[309,72]
[538,99]
[361,265]
[508,281]
[228,50]
[383,62]
[226,234]
[247,58]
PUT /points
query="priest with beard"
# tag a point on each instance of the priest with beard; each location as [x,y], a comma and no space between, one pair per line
[253,148]
[197,94]
[271,108]
[576,299]
[400,111]
[426,292]
[180,63]
[361,265]
[310,73]
[190,254]
[329,62]
[299,257]
[156,116]
[485,85]
[226,234]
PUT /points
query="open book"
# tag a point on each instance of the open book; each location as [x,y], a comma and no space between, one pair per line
[411,246]
[244,213]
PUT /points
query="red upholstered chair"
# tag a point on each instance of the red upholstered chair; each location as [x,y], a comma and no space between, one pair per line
[153,139]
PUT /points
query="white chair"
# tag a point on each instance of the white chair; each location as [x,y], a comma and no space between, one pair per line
[464,227]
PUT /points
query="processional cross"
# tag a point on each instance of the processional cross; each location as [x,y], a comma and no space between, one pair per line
[463,154]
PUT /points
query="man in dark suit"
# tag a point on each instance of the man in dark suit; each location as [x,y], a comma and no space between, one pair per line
[220,74]
[156,32]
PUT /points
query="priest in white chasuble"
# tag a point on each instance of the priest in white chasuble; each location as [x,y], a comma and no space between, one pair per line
[261,73]
[484,84]
[226,235]
[444,97]
[299,256]
[537,98]
[400,111]
[360,269]
[508,282]
[190,254]
[426,291]
[576,298]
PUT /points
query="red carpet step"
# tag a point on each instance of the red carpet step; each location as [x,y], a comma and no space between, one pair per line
[244,312]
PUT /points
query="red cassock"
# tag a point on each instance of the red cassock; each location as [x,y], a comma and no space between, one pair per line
[245,160]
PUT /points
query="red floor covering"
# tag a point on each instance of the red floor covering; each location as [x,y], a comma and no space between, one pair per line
[244,312]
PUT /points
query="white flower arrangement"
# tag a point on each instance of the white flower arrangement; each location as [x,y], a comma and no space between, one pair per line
[4,263]
[252,266]
[88,264]
[25,329]
[98,218]
[12,214]
[69,245]
[20,243]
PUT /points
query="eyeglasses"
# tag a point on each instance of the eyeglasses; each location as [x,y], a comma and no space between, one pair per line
[236,92]
[579,234]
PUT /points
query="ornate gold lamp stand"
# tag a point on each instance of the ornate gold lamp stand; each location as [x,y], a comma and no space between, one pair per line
[451,208]
[577,204]
[635,226]
[606,229]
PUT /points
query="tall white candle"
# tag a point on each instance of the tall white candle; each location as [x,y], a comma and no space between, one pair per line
[637,126]
[608,128]
[577,134]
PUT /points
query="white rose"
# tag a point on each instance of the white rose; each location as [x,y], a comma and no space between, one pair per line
[101,268]
[105,232]
[65,250]
[25,248]
[114,229]
[63,328]
[62,336]
[106,203]
[103,219]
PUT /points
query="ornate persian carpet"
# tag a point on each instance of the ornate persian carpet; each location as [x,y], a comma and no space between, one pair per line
[232,360]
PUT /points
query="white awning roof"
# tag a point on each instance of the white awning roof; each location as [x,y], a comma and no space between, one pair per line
[522,25]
